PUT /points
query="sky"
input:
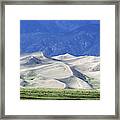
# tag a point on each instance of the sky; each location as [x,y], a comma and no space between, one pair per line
[57,37]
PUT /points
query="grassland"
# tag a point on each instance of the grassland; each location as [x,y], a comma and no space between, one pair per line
[58,94]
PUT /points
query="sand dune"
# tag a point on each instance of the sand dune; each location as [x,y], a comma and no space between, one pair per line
[56,70]
[50,83]
[64,57]
[63,71]
[75,82]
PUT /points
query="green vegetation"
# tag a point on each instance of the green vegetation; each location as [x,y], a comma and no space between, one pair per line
[59,94]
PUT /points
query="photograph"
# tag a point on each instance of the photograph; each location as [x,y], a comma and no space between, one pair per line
[60,59]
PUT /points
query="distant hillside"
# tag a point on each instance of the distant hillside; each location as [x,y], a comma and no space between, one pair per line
[60,37]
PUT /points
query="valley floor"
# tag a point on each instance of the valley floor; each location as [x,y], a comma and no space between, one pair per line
[59,94]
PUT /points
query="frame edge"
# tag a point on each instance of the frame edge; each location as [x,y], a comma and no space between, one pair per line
[2,57]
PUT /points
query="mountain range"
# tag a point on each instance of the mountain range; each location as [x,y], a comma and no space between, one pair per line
[56,37]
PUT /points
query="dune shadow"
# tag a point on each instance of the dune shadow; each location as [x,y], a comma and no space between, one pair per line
[80,75]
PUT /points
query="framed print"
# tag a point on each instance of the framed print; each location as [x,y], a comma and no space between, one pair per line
[60,59]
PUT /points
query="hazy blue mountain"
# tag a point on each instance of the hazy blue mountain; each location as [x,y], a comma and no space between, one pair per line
[55,37]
